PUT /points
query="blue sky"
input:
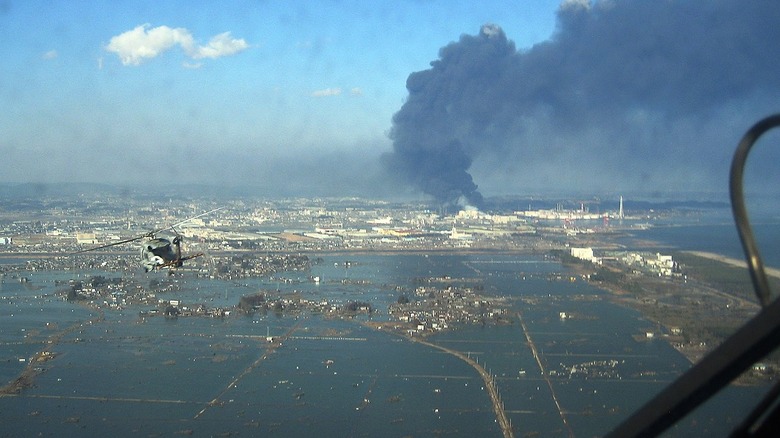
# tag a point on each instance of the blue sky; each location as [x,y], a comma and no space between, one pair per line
[298,97]
[309,78]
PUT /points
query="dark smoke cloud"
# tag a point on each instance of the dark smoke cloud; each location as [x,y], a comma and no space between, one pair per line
[650,94]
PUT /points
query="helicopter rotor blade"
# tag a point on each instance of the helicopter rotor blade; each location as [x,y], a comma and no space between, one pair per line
[112,244]
[170,227]
[148,235]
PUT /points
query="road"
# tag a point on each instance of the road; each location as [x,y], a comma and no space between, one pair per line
[498,405]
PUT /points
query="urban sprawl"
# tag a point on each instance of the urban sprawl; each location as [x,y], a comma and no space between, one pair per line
[246,239]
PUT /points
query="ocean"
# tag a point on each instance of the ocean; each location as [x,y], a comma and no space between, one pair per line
[118,373]
[715,233]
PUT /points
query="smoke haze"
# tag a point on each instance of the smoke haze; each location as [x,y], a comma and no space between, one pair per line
[625,95]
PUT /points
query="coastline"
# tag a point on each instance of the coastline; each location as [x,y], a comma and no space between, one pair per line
[772,272]
[677,305]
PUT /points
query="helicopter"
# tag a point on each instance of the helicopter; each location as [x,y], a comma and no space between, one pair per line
[159,252]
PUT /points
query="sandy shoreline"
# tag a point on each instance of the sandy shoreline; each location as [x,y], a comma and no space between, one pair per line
[772,272]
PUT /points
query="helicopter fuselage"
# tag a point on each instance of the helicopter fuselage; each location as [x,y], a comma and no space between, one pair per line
[160,252]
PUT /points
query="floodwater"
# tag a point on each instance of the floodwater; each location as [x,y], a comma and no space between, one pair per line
[118,373]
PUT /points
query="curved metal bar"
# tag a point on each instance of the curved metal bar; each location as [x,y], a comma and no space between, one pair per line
[754,340]
[752,254]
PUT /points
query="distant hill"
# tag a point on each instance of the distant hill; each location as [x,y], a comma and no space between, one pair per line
[49,191]
[44,190]
[28,196]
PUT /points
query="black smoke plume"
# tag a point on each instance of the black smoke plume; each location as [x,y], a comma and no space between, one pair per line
[648,93]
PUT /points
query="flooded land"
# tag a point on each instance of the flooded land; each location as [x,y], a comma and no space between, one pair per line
[477,329]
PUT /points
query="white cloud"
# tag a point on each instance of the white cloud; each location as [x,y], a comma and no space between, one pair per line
[142,43]
[490,30]
[574,5]
[326,92]
[51,54]
[357,91]
[220,45]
